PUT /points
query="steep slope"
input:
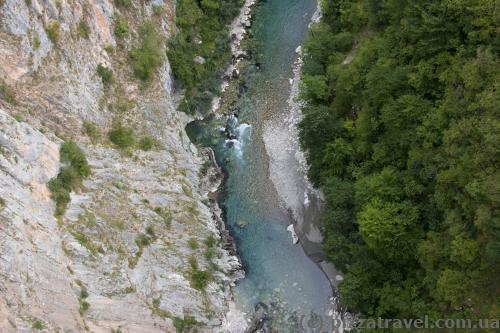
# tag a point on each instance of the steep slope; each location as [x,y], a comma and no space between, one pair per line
[138,247]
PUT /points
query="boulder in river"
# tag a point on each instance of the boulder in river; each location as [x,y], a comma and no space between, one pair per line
[291,229]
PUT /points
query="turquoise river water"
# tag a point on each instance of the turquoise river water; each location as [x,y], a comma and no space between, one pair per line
[280,279]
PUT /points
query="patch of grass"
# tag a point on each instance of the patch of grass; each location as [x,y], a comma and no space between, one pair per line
[109,49]
[210,241]
[185,324]
[166,215]
[84,305]
[7,94]
[123,3]
[87,243]
[83,29]
[36,43]
[142,241]
[150,231]
[204,167]
[117,224]
[158,311]
[38,325]
[121,27]
[209,254]
[2,203]
[147,143]
[121,136]
[88,219]
[70,176]
[52,31]
[123,104]
[198,278]
[192,208]
[18,117]
[106,75]
[149,55]
[91,131]
[193,243]
[158,10]
[187,190]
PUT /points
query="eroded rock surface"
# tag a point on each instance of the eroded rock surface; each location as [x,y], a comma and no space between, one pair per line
[89,270]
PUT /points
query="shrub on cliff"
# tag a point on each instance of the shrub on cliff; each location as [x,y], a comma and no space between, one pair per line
[83,29]
[70,176]
[7,94]
[123,3]
[52,31]
[106,75]
[149,55]
[185,325]
[121,136]
[121,27]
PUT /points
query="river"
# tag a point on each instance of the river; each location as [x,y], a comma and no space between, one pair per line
[281,281]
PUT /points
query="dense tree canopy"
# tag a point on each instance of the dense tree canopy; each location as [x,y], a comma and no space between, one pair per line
[202,33]
[401,130]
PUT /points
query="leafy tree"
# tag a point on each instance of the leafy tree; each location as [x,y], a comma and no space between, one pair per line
[149,55]
[401,133]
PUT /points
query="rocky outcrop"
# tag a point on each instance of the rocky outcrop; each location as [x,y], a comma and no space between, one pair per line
[89,270]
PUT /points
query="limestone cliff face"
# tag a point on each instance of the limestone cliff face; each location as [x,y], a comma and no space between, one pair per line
[86,271]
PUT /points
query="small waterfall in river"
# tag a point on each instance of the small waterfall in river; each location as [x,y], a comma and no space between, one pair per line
[236,134]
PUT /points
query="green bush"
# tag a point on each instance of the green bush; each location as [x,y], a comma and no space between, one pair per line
[149,55]
[38,325]
[121,27]
[210,241]
[166,215]
[7,94]
[197,278]
[184,325]
[52,31]
[70,176]
[123,3]
[60,194]
[36,42]
[208,20]
[343,41]
[70,152]
[147,143]
[143,240]
[84,305]
[106,75]
[121,136]
[158,10]
[83,29]
[402,140]
[92,131]
[193,243]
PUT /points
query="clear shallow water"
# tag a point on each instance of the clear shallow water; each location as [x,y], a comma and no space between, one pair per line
[278,274]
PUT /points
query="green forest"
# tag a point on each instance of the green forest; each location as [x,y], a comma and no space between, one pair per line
[202,33]
[401,130]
